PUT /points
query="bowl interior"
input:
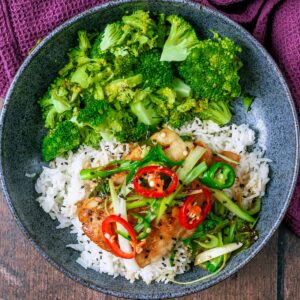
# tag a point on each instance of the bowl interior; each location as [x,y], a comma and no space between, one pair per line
[272,116]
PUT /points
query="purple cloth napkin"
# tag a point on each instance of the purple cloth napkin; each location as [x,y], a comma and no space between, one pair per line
[275,23]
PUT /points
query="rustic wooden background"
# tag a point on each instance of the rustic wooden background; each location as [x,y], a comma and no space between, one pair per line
[273,274]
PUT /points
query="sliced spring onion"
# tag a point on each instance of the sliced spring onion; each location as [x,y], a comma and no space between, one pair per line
[216,252]
[140,203]
[166,202]
[230,205]
[216,262]
[119,205]
[201,278]
[212,243]
[113,194]
[227,159]
[135,198]
[256,207]
[230,233]
[125,235]
[190,162]
[182,195]
[195,173]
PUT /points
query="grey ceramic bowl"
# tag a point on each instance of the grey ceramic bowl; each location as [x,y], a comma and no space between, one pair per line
[272,116]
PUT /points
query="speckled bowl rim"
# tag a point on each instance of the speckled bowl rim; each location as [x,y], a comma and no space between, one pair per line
[220,277]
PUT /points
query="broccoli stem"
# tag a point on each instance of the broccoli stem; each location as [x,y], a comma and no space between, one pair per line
[230,205]
[181,89]
[146,115]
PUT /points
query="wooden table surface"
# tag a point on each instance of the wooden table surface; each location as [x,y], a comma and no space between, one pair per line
[273,274]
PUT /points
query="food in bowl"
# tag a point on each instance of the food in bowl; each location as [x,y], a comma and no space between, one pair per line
[143,166]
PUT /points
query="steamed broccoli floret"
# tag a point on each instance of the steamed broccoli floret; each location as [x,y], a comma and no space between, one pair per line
[145,112]
[142,32]
[95,51]
[94,114]
[181,40]
[135,132]
[156,73]
[178,119]
[188,105]
[122,89]
[135,34]
[85,57]
[113,36]
[211,69]
[219,112]
[55,104]
[89,136]
[63,138]
[81,77]
[131,129]
[181,89]
[164,100]
[161,30]
[84,43]
[125,65]
[102,118]
[140,20]
[79,55]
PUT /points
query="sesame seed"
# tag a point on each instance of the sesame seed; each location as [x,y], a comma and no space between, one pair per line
[152,183]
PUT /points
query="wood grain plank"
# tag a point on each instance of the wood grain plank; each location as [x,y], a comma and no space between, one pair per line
[291,274]
[24,274]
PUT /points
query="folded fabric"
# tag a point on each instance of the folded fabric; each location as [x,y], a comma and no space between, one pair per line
[275,23]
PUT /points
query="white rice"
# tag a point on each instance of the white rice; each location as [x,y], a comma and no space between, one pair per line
[61,188]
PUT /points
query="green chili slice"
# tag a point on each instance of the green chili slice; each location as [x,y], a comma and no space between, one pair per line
[219,176]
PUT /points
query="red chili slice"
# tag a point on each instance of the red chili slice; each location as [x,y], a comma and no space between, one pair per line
[193,213]
[155,181]
[110,236]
